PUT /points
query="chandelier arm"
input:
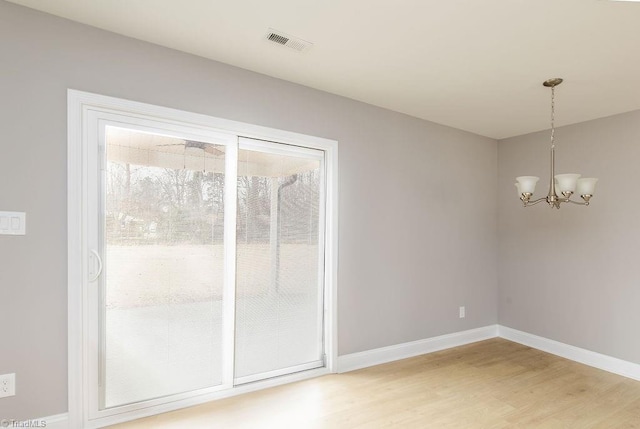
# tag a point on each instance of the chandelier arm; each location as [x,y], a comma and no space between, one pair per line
[580,203]
[534,202]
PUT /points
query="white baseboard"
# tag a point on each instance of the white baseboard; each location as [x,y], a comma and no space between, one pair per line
[59,421]
[382,355]
[577,354]
[368,358]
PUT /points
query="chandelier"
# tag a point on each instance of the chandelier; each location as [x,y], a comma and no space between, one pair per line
[561,186]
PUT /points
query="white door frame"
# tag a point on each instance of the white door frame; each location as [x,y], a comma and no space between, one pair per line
[80,107]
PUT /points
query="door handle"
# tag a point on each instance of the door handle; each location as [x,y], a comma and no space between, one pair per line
[99,271]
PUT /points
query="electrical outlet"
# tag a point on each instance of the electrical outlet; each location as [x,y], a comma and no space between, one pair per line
[461,312]
[7,385]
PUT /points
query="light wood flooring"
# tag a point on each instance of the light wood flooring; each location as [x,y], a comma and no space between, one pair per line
[489,384]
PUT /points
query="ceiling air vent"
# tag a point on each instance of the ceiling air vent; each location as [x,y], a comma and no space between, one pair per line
[289,41]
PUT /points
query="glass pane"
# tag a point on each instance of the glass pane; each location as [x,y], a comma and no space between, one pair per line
[162,315]
[279,287]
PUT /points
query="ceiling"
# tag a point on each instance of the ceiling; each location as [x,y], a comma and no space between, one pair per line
[470,64]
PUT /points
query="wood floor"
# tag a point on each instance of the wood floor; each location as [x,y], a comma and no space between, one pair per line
[489,384]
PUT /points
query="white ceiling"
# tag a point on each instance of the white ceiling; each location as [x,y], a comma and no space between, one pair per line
[470,64]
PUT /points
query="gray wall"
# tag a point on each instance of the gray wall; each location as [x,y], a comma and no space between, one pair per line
[572,274]
[418,231]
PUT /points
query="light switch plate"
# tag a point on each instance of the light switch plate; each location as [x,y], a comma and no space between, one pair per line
[13,223]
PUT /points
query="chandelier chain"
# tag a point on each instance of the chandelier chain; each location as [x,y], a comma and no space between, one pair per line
[553,116]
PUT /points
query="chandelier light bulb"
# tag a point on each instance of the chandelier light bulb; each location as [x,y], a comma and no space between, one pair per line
[586,186]
[567,182]
[527,184]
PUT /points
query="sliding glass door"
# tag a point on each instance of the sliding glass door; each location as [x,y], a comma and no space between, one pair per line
[279,288]
[206,261]
[163,290]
